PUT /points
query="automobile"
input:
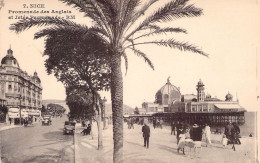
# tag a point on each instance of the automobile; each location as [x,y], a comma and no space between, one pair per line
[46,120]
[69,127]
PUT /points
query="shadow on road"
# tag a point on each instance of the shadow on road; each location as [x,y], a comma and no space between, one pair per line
[54,137]
[44,159]
[57,136]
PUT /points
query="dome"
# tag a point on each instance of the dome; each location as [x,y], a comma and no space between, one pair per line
[35,76]
[200,83]
[229,97]
[168,94]
[208,96]
[9,59]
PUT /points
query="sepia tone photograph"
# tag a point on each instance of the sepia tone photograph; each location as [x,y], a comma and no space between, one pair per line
[129,81]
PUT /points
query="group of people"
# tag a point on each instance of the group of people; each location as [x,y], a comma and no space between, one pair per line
[231,135]
[197,132]
[157,123]
[193,133]
[86,128]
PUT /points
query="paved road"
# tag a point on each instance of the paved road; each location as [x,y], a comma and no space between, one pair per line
[41,144]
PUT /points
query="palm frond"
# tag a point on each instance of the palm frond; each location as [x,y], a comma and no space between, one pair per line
[173,10]
[128,8]
[101,13]
[182,46]
[42,21]
[136,15]
[143,55]
[56,29]
[126,62]
[163,31]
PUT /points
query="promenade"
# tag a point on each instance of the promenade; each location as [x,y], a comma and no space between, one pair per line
[163,148]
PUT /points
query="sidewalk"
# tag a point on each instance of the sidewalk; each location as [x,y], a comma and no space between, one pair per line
[163,148]
[8,126]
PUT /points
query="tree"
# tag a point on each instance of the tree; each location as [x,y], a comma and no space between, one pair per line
[136,111]
[81,104]
[3,109]
[43,109]
[81,64]
[123,24]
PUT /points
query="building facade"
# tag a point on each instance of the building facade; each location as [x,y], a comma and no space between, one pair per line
[171,105]
[21,92]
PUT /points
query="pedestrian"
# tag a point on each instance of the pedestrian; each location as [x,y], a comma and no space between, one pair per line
[230,133]
[224,141]
[132,123]
[207,134]
[181,143]
[236,133]
[154,123]
[161,122]
[179,128]
[173,127]
[146,134]
[128,123]
[196,133]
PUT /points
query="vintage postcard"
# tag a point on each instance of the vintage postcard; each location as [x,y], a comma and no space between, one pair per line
[102,81]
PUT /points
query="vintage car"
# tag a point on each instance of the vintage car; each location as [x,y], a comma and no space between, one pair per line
[46,120]
[69,127]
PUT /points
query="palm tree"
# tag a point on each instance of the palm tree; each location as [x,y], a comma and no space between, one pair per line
[122,24]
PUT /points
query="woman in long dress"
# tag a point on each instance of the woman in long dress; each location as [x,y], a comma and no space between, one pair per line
[181,143]
[207,133]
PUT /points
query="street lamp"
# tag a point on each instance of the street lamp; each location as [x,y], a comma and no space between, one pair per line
[104,110]
[20,109]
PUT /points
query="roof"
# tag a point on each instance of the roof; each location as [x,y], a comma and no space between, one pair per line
[9,59]
[230,106]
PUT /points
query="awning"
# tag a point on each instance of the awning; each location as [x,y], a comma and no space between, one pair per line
[13,115]
[230,107]
[13,110]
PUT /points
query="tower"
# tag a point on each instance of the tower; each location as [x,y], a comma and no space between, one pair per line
[200,91]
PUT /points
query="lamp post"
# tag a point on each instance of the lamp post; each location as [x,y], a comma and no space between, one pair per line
[104,110]
[20,109]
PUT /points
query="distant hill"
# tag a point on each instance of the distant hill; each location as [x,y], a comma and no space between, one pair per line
[127,109]
[60,102]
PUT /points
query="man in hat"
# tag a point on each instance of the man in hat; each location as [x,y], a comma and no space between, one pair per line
[196,133]
[146,134]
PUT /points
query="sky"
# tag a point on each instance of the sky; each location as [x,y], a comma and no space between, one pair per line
[228,31]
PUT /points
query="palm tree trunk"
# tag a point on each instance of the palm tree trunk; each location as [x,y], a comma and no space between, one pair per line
[117,107]
[100,142]
[98,119]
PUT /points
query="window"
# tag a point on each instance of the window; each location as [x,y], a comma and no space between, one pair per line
[193,108]
[9,87]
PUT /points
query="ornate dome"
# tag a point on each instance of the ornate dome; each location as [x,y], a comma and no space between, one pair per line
[168,94]
[229,97]
[9,59]
[35,76]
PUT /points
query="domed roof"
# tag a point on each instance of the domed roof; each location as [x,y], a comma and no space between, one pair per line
[229,97]
[168,87]
[200,83]
[35,76]
[208,96]
[168,93]
[9,59]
